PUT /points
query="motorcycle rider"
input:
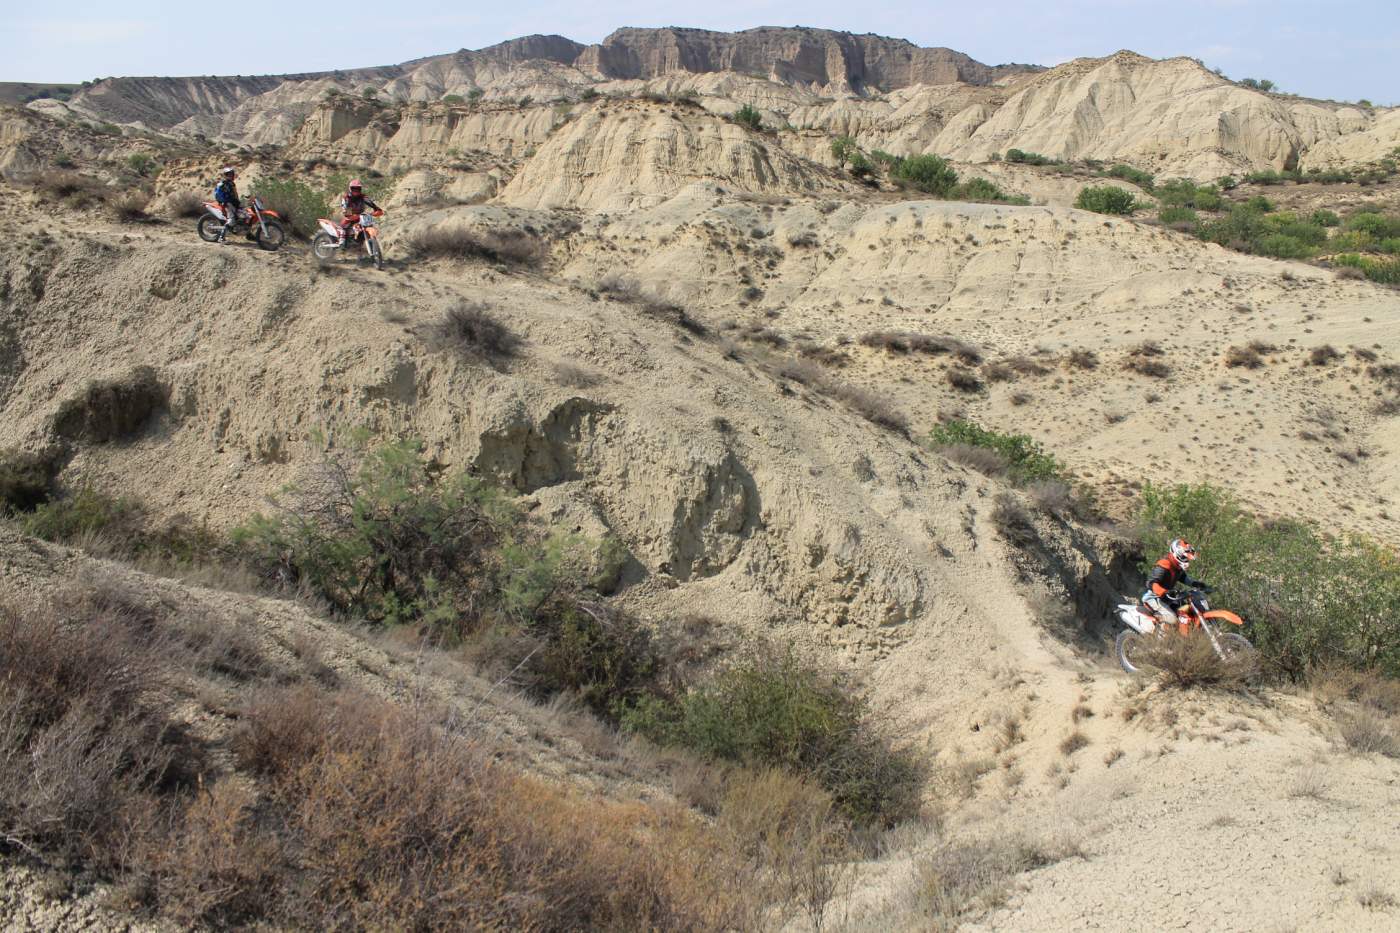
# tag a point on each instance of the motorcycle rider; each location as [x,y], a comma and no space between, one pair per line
[1165,575]
[226,194]
[352,204]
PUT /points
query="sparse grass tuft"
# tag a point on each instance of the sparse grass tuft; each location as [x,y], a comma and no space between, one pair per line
[1073,743]
[963,879]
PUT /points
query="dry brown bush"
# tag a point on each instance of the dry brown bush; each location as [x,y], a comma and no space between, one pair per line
[1365,705]
[87,748]
[130,208]
[982,459]
[1052,496]
[630,291]
[1081,358]
[787,831]
[871,407]
[506,244]
[1247,357]
[1348,272]
[904,342]
[964,380]
[1013,522]
[1073,743]
[182,205]
[1190,661]
[1321,356]
[389,822]
[470,329]
[73,188]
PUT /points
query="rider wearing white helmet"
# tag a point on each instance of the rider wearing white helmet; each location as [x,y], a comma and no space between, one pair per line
[1166,574]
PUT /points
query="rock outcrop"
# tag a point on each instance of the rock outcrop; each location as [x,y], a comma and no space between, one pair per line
[638,155]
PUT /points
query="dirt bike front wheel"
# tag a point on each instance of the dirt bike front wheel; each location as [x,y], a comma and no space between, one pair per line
[1234,645]
[376,253]
[323,245]
[273,237]
[209,227]
[1129,646]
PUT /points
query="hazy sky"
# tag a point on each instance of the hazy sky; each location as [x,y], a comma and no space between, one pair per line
[1345,49]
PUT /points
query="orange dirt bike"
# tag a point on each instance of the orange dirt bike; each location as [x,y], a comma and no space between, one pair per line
[1194,613]
[256,221]
[365,229]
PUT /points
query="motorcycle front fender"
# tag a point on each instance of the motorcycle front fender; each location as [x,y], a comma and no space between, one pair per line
[1224,615]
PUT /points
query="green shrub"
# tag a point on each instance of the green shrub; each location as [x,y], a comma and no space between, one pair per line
[143,164]
[930,174]
[1324,218]
[1137,176]
[1386,271]
[884,159]
[1289,224]
[1308,599]
[1351,241]
[390,540]
[122,526]
[842,148]
[860,166]
[297,202]
[453,99]
[776,710]
[1177,215]
[1390,246]
[1029,158]
[1283,246]
[83,514]
[1379,226]
[1026,460]
[475,94]
[750,117]
[1106,199]
[980,189]
[1182,192]
[1258,84]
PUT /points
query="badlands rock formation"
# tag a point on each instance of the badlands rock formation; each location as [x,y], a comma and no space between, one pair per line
[1170,116]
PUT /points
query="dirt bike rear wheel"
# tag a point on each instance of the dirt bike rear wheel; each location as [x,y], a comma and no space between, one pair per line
[323,245]
[273,238]
[209,227]
[1126,646]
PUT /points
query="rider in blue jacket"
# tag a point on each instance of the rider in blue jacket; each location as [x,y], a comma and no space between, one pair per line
[226,194]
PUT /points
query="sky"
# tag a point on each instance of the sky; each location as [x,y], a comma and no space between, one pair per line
[1342,49]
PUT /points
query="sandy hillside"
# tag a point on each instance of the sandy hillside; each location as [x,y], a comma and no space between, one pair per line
[710,369]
